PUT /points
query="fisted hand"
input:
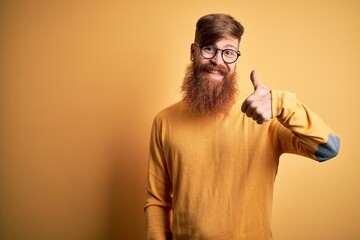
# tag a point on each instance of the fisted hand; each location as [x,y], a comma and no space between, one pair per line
[258,105]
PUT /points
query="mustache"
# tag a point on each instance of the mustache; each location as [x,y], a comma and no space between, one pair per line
[209,68]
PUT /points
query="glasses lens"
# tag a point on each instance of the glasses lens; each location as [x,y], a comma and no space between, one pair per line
[229,55]
[208,51]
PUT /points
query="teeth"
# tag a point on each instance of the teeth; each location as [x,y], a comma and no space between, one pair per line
[214,72]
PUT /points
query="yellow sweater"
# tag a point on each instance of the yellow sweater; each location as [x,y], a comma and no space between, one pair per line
[213,178]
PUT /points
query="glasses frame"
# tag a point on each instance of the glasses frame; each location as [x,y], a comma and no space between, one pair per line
[216,51]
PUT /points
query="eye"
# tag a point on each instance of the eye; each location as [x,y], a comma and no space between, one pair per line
[229,53]
[209,49]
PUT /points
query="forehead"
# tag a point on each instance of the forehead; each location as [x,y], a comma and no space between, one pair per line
[227,42]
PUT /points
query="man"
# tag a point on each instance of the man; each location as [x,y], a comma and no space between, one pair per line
[214,155]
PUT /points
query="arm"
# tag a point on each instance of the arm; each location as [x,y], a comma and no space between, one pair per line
[304,133]
[158,200]
[309,133]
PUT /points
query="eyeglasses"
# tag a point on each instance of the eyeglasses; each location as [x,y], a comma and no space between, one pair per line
[227,55]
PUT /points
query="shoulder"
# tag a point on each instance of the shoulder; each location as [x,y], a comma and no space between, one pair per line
[173,111]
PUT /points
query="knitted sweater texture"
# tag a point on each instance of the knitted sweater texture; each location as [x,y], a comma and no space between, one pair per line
[213,177]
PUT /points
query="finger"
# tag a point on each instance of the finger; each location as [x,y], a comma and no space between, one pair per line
[249,112]
[255,116]
[244,106]
[260,120]
[255,80]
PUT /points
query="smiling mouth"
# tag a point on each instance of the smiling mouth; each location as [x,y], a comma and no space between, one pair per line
[215,75]
[214,72]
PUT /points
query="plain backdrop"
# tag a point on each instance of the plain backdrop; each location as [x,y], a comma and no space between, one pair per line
[81,81]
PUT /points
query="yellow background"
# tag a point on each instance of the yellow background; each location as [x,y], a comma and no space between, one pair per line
[81,82]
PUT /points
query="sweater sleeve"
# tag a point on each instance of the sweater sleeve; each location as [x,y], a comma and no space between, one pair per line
[309,135]
[158,200]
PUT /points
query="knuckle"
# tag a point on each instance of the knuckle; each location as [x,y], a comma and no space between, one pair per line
[253,105]
[250,98]
[260,112]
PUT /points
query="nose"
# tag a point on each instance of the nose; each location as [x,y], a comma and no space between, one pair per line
[217,59]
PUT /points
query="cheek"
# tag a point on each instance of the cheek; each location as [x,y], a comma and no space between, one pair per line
[231,69]
[202,60]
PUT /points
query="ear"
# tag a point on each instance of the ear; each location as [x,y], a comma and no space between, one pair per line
[192,51]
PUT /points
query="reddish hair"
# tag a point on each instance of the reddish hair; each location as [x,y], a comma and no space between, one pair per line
[212,27]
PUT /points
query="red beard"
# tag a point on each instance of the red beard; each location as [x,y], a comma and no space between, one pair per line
[207,96]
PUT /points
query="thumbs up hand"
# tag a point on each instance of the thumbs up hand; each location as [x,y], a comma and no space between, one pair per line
[258,105]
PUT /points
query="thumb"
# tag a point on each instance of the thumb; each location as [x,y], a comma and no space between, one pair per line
[255,80]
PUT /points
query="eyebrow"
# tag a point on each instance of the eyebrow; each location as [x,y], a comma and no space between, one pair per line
[227,46]
[230,45]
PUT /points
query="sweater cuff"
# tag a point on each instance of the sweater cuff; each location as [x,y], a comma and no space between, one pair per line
[283,104]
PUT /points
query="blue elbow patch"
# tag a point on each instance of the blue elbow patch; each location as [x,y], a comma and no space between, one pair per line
[328,150]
